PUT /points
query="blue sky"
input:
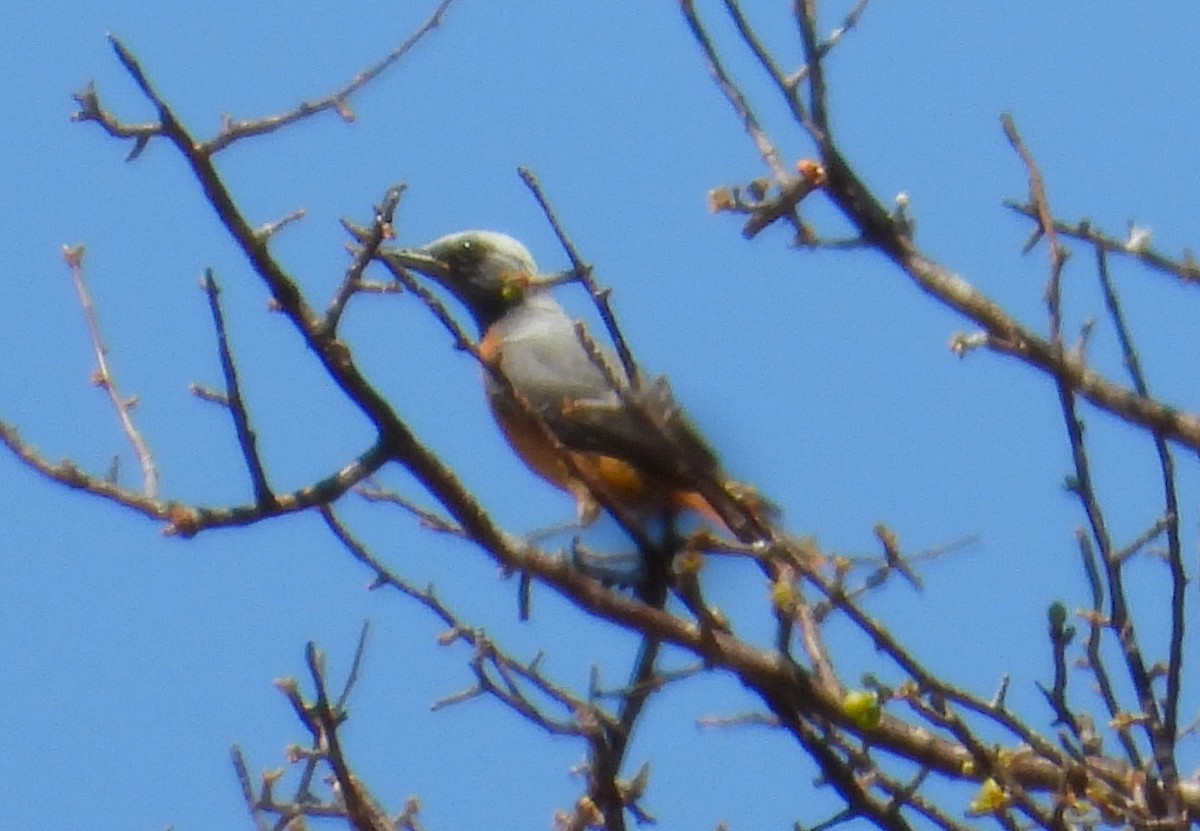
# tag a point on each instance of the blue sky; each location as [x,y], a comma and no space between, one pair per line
[133,661]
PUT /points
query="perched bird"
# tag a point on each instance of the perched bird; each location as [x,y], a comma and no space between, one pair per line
[646,466]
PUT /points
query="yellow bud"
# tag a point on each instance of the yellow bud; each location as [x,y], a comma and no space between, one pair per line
[989,799]
[690,562]
[720,199]
[863,708]
[783,596]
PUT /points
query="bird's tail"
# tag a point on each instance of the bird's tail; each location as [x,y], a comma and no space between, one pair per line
[764,511]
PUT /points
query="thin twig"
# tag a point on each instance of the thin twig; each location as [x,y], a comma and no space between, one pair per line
[583,273]
[338,100]
[486,652]
[242,771]
[784,205]
[805,12]
[361,809]
[360,652]
[1166,462]
[1139,543]
[373,492]
[1004,334]
[103,377]
[90,110]
[1061,636]
[369,240]
[608,751]
[779,681]
[270,229]
[837,771]
[1185,267]
[247,440]
[733,94]
[1058,254]
[1095,658]
[395,435]
[1121,619]
[188,520]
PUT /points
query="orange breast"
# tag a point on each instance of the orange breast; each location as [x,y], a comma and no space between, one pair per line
[638,493]
[624,483]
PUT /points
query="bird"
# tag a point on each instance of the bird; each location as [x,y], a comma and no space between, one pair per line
[571,413]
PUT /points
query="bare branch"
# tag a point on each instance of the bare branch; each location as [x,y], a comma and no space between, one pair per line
[1058,254]
[338,100]
[805,12]
[1185,268]
[488,657]
[103,377]
[372,492]
[953,734]
[583,273]
[247,439]
[90,110]
[270,229]
[1166,462]
[735,97]
[369,241]
[333,356]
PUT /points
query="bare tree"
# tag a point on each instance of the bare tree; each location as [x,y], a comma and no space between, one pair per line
[882,744]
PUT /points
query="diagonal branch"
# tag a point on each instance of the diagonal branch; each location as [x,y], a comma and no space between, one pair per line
[1166,461]
[103,376]
[369,240]
[1058,254]
[188,520]
[805,12]
[1004,334]
[334,357]
[247,440]
[583,273]
[1121,617]
[338,100]
[733,94]
[513,672]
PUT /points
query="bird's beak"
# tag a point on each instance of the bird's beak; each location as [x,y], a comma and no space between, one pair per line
[422,261]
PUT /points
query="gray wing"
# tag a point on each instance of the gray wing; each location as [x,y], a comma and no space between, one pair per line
[549,367]
[653,432]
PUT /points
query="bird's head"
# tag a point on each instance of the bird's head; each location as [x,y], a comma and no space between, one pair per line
[488,271]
